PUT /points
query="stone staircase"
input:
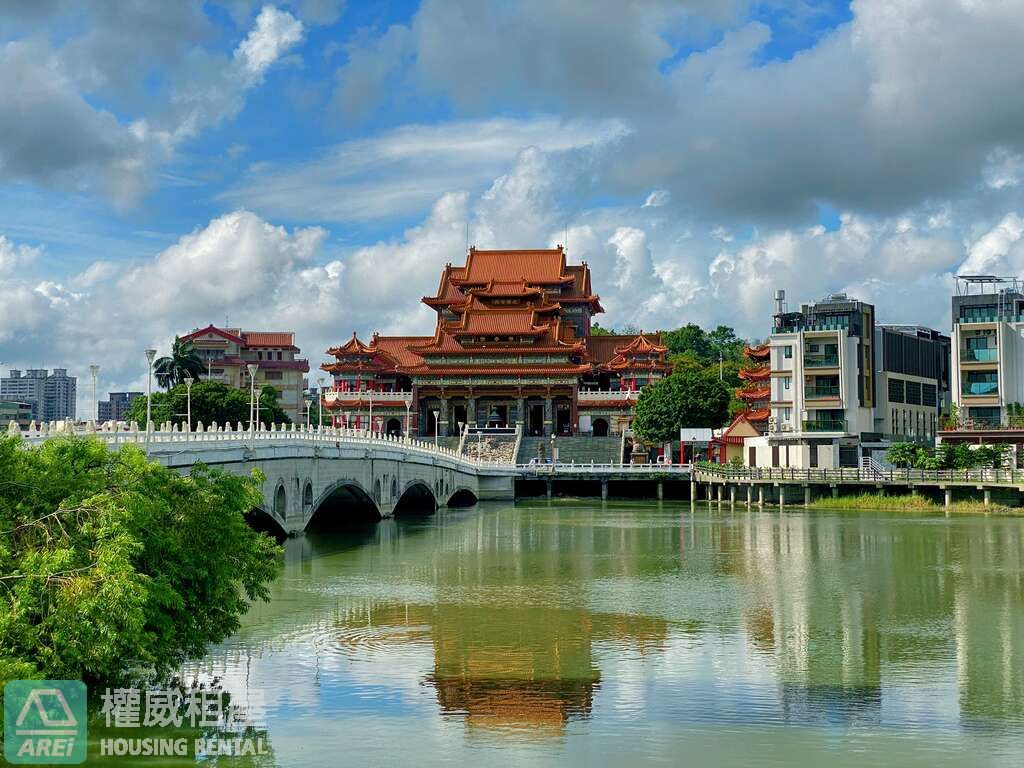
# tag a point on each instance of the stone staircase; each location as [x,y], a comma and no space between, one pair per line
[581,450]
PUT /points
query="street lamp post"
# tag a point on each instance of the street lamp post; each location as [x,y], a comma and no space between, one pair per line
[408,409]
[320,407]
[94,370]
[258,399]
[309,407]
[252,368]
[369,392]
[348,419]
[189,381]
[150,356]
[437,416]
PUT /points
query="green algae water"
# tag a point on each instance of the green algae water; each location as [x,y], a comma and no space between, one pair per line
[609,634]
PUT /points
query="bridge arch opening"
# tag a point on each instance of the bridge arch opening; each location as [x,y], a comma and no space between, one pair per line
[343,506]
[280,502]
[307,499]
[463,497]
[417,499]
[264,522]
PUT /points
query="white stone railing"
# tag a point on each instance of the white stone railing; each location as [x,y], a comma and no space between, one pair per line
[116,434]
[366,396]
[620,395]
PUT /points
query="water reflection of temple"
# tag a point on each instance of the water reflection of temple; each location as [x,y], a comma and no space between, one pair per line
[510,666]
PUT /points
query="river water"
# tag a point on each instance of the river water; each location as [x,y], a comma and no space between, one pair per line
[605,634]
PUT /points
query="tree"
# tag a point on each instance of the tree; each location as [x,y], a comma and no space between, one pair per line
[901,454]
[111,562]
[689,339]
[684,399]
[182,362]
[597,330]
[212,401]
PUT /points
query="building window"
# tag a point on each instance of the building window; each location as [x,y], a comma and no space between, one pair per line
[787,352]
[929,395]
[786,382]
[913,392]
[896,390]
[787,414]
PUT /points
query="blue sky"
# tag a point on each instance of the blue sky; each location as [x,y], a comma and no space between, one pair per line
[311,164]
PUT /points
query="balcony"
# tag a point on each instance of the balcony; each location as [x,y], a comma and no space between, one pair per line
[987,355]
[825,425]
[980,388]
[624,396]
[821,361]
[992,318]
[377,397]
[821,391]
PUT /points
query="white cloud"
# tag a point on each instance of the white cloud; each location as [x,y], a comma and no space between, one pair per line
[657,198]
[14,257]
[53,131]
[405,170]
[275,32]
[997,252]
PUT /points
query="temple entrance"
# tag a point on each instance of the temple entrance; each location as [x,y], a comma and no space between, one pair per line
[600,428]
[563,417]
[536,421]
[459,414]
[394,427]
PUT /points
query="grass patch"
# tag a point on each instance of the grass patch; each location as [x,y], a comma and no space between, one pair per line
[908,503]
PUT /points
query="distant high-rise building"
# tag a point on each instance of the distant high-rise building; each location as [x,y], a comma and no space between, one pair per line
[116,407]
[50,396]
[61,396]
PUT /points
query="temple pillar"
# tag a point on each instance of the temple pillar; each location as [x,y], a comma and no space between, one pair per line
[442,428]
[521,401]
[549,416]
[471,411]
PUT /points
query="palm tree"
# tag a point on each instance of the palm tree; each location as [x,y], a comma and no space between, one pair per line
[183,361]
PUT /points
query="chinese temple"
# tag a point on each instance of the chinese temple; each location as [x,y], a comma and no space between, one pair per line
[511,347]
[752,421]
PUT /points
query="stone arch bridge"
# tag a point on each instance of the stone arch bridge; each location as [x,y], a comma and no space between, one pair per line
[316,473]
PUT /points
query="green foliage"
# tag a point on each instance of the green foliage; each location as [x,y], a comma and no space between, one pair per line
[597,330]
[183,361]
[684,399]
[901,454]
[947,456]
[109,561]
[212,401]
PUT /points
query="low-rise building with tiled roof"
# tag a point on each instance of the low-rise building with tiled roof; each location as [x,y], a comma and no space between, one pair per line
[226,353]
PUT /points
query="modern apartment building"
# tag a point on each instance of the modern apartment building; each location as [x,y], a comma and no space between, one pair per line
[912,382]
[116,406]
[829,365]
[51,396]
[988,350]
[227,352]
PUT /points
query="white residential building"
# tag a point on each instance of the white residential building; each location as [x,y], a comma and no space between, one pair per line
[829,362]
[988,351]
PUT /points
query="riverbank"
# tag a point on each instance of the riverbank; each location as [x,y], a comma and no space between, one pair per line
[908,503]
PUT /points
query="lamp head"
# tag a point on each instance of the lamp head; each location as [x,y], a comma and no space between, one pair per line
[150,354]
[252,368]
[188,381]
[94,369]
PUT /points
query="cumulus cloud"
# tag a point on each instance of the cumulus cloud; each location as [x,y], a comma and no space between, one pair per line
[275,32]
[53,131]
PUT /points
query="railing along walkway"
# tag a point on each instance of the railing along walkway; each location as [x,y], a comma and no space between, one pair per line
[873,474]
[164,440]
